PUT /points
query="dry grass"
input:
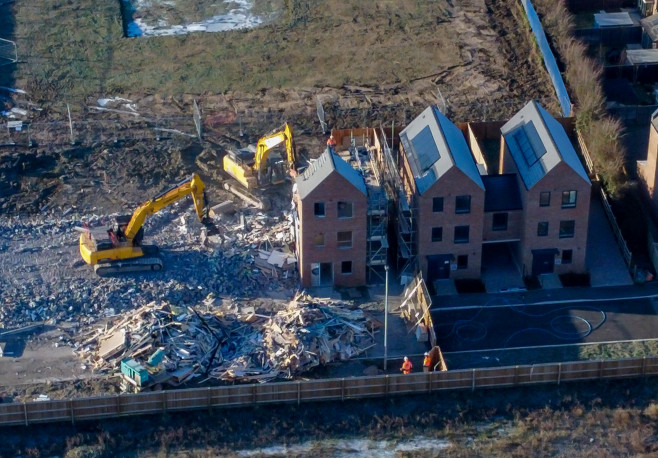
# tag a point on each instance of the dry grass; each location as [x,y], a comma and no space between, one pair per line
[601,133]
[77,49]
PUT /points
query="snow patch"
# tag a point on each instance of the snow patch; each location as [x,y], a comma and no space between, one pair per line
[237,17]
[352,448]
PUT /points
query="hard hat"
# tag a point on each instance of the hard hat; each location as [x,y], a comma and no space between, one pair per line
[406,359]
[426,354]
[331,136]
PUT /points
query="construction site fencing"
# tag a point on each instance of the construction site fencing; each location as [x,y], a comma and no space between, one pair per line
[91,132]
[637,114]
[549,58]
[340,389]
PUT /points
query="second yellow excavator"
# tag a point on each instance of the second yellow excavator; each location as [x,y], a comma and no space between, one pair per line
[118,248]
[254,169]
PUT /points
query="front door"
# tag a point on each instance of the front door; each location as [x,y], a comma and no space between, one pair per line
[543,261]
[438,267]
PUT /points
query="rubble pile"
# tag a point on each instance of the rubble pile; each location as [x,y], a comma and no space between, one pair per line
[44,280]
[223,340]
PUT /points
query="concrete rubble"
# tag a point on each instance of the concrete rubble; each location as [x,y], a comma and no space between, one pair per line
[225,340]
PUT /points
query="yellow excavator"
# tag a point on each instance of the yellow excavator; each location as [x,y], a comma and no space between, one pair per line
[118,248]
[254,169]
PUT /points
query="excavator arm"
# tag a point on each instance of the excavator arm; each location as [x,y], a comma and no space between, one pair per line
[191,185]
[266,143]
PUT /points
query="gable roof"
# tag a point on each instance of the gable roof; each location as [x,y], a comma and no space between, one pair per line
[433,145]
[324,166]
[502,193]
[537,143]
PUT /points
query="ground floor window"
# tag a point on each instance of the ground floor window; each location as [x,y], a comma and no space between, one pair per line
[462,261]
[346,267]
[567,256]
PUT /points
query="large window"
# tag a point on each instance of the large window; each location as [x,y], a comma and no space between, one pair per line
[346,267]
[569,199]
[463,204]
[318,209]
[545,199]
[542,228]
[567,256]
[567,229]
[437,234]
[437,204]
[461,234]
[318,240]
[344,240]
[345,210]
[462,261]
[499,222]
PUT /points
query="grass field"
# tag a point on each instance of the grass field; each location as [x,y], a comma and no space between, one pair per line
[404,49]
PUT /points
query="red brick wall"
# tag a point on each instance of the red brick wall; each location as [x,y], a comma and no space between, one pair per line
[560,178]
[515,223]
[453,183]
[340,190]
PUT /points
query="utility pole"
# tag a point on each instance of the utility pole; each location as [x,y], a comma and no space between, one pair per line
[386,318]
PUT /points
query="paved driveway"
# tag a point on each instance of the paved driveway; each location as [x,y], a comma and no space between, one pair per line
[512,326]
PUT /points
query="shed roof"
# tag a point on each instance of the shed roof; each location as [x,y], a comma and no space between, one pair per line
[650,26]
[537,143]
[642,56]
[433,145]
[502,193]
[613,19]
[324,166]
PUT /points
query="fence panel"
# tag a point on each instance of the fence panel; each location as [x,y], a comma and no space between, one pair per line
[96,408]
[320,390]
[48,411]
[12,414]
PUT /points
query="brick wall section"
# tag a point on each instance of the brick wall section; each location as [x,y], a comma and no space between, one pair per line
[560,178]
[514,230]
[452,184]
[339,189]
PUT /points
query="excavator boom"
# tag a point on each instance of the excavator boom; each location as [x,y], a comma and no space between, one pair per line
[119,248]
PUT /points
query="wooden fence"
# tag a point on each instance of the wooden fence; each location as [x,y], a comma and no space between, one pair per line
[106,407]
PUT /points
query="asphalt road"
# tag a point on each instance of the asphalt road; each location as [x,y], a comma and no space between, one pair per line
[511,326]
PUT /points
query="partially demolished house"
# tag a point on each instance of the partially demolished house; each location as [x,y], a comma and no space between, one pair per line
[538,203]
[330,200]
[341,214]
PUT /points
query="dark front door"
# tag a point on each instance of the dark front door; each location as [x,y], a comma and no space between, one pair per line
[543,261]
[438,267]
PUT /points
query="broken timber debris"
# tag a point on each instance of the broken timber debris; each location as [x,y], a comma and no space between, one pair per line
[231,343]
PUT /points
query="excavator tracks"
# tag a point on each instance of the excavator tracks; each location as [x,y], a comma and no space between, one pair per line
[143,264]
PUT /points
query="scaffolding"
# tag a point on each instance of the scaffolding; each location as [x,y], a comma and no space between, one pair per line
[362,151]
[406,229]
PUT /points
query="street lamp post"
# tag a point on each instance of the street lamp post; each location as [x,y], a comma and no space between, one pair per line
[386,318]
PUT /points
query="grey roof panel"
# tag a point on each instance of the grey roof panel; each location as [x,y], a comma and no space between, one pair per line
[433,145]
[650,25]
[533,119]
[324,166]
[502,193]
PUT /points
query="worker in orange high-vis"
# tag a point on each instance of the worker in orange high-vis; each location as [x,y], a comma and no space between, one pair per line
[426,362]
[331,143]
[406,366]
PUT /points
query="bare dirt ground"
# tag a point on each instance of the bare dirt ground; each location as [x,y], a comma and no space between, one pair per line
[486,68]
[51,188]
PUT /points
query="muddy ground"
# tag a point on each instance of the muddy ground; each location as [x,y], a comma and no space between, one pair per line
[114,167]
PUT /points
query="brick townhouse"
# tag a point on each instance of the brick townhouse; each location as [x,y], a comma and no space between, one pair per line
[538,204]
[330,202]
[446,196]
[554,190]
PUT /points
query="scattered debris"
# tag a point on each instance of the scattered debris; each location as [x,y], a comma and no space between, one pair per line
[162,343]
